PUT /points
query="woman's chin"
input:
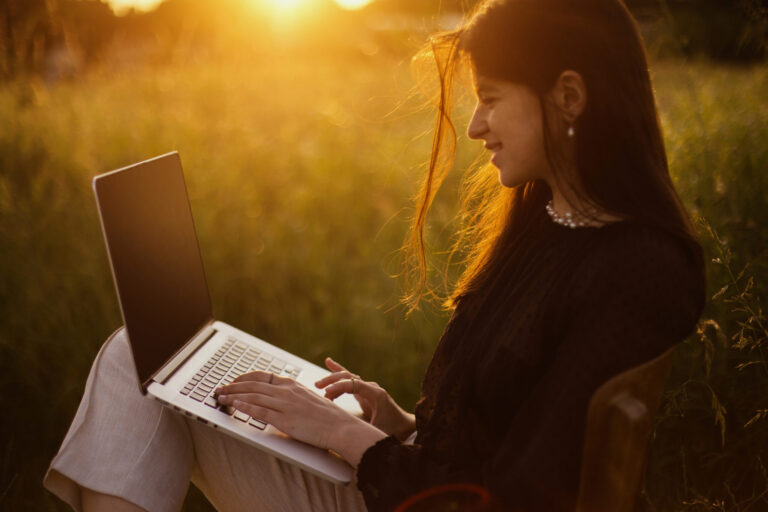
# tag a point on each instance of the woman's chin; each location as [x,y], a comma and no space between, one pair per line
[509,180]
[512,177]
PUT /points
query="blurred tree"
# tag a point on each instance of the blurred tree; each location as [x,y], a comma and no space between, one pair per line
[26,31]
[719,29]
[89,25]
[43,36]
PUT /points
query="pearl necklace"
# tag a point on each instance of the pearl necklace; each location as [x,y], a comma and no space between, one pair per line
[577,221]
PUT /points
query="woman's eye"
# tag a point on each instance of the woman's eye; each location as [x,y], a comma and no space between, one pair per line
[487,100]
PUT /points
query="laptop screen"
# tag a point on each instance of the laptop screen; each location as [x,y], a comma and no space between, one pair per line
[156,263]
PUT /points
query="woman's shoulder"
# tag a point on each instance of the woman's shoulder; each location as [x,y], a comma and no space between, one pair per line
[642,262]
[642,279]
[637,245]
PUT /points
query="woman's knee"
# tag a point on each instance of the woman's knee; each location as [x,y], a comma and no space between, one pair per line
[116,348]
[115,360]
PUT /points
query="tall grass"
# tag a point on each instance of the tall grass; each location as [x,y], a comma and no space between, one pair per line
[300,173]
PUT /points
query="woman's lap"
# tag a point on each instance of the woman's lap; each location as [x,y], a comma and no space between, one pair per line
[124,444]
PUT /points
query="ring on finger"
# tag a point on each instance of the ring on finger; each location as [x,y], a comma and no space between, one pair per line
[271,377]
[354,386]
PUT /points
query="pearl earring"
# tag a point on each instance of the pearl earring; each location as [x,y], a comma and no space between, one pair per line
[570,131]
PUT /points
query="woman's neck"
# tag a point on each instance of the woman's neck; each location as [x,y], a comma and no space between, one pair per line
[571,203]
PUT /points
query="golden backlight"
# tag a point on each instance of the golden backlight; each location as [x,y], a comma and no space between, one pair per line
[352,4]
[121,6]
[287,4]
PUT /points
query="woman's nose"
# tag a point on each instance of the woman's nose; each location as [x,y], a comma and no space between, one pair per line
[477,125]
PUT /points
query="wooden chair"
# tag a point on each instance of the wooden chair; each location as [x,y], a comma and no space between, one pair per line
[619,423]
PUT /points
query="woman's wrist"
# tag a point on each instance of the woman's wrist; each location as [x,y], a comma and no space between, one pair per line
[353,437]
[408,426]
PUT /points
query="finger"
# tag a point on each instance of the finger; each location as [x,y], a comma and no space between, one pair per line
[333,365]
[261,376]
[347,386]
[256,399]
[334,377]
[246,387]
[260,413]
[329,379]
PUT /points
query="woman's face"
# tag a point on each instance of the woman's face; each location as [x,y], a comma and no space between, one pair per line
[508,118]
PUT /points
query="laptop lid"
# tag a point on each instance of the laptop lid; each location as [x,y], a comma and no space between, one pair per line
[153,250]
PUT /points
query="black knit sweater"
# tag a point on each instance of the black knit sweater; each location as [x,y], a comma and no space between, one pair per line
[504,400]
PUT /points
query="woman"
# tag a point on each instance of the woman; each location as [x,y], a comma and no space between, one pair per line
[583,264]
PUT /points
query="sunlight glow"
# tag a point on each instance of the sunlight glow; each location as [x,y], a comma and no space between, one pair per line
[287,4]
[352,4]
[122,6]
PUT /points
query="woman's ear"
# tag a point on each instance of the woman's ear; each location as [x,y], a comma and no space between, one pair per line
[569,95]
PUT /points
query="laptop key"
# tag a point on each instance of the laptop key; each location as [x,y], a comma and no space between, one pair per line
[197,395]
[211,402]
[258,424]
[240,415]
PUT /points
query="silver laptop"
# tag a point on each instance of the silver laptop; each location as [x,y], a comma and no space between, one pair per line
[181,353]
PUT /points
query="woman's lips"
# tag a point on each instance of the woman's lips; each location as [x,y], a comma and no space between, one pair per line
[493,147]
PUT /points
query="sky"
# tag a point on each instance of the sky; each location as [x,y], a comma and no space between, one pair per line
[120,6]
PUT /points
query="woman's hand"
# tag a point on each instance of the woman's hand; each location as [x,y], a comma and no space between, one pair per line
[300,413]
[378,407]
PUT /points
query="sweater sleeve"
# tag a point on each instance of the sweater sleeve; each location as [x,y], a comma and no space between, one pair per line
[631,299]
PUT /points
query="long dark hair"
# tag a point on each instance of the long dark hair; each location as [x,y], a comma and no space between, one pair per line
[620,156]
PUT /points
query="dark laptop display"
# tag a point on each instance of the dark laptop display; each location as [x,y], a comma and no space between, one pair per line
[155,259]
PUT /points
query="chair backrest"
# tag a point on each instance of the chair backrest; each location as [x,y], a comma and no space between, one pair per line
[619,423]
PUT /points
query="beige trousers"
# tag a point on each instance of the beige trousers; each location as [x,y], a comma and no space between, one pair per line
[124,444]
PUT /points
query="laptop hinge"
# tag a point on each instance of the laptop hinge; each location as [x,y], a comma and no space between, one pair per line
[185,353]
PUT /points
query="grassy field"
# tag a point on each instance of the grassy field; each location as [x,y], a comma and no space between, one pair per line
[300,174]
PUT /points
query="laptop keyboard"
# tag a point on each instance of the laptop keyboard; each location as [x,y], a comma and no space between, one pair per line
[233,359]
